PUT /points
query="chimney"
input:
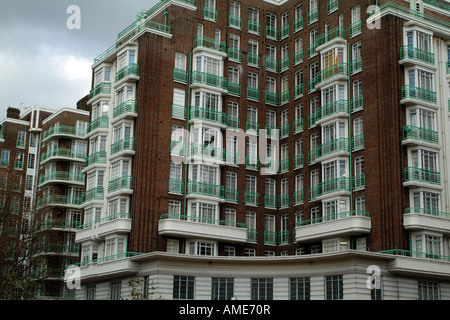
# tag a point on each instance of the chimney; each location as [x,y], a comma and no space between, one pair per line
[13,113]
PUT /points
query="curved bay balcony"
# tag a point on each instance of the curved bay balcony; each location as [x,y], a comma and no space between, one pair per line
[99,124]
[60,200]
[125,110]
[216,117]
[101,90]
[410,56]
[207,153]
[197,189]
[128,73]
[413,135]
[123,147]
[332,110]
[61,154]
[334,187]
[175,225]
[59,131]
[337,225]
[200,79]
[122,185]
[417,177]
[330,149]
[336,72]
[411,95]
[61,177]
[97,230]
[426,219]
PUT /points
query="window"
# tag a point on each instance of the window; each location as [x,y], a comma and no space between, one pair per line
[102,75]
[222,288]
[428,246]
[360,204]
[334,288]
[119,168]
[29,182]
[183,288]
[180,61]
[202,248]
[235,9]
[252,80]
[117,206]
[250,221]
[173,246]
[114,247]
[356,14]
[251,185]
[209,65]
[114,290]
[424,159]
[95,180]
[175,177]
[204,212]
[90,292]
[429,201]
[423,118]
[262,289]
[428,290]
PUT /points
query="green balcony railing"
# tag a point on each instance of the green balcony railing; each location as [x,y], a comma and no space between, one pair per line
[129,106]
[58,200]
[208,114]
[359,181]
[312,49]
[234,54]
[176,186]
[130,70]
[177,148]
[251,198]
[61,176]
[356,103]
[298,57]
[333,217]
[284,131]
[254,27]
[178,111]
[253,60]
[284,31]
[63,153]
[231,195]
[252,162]
[340,106]
[232,158]
[207,151]
[180,75]
[121,183]
[207,189]
[252,235]
[422,175]
[299,197]
[355,28]
[271,64]
[233,122]
[253,93]
[210,79]
[313,16]
[209,43]
[127,144]
[235,21]
[272,97]
[412,92]
[99,123]
[104,220]
[284,96]
[332,146]
[356,65]
[102,88]
[19,165]
[210,13]
[284,200]
[234,88]
[332,5]
[326,187]
[339,69]
[358,141]
[298,91]
[97,193]
[270,237]
[298,125]
[270,201]
[231,224]
[416,254]
[98,157]
[252,126]
[421,134]
[298,24]
[337,32]
[284,165]
[21,143]
[272,33]
[298,161]
[429,212]
[284,64]
[410,52]
[64,130]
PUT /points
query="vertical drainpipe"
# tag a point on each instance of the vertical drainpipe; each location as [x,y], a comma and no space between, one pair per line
[186,146]
[350,143]
[166,13]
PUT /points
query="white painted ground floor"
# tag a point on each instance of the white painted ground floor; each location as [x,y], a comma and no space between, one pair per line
[345,275]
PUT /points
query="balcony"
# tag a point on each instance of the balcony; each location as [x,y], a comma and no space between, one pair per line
[178,112]
[270,201]
[253,60]
[298,24]
[57,249]
[284,31]
[356,65]
[59,131]
[337,225]
[252,162]
[313,16]
[410,56]
[254,27]
[235,21]
[203,78]
[215,116]
[180,75]
[298,161]
[21,143]
[355,28]
[96,158]
[271,64]
[284,64]
[332,110]
[298,126]
[94,194]
[234,54]
[359,181]
[176,186]
[358,142]
[336,72]
[332,5]
[103,89]
[251,198]
[298,91]
[60,154]
[417,177]
[212,44]
[207,153]
[418,136]
[234,89]
[128,73]
[356,103]
[210,14]
[123,147]
[101,124]
[414,95]
[330,37]
[272,33]
[205,189]
[333,148]
[115,224]
[426,219]
[299,197]
[60,177]
[122,184]
[253,93]
[59,200]
[335,187]
[272,98]
[174,225]
[233,122]
[19,165]
[127,109]
[231,195]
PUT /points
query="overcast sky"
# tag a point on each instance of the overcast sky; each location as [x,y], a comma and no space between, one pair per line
[44,63]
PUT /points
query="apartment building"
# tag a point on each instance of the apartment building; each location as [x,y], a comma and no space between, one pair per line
[270,150]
